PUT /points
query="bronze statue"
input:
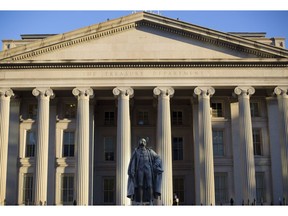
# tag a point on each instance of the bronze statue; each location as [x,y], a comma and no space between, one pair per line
[145,175]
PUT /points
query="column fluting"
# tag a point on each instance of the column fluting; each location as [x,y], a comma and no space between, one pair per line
[5,95]
[164,145]
[206,144]
[123,147]
[282,97]
[82,144]
[246,143]
[41,164]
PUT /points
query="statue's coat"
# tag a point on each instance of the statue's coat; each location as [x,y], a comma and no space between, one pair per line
[156,164]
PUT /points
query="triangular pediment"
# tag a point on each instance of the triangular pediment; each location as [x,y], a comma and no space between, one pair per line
[141,37]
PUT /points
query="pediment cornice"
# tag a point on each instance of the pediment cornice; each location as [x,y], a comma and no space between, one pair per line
[221,39]
[32,50]
[137,20]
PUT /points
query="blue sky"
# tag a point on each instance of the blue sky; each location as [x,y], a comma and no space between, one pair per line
[15,23]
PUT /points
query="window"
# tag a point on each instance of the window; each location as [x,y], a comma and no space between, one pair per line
[68,143]
[67,189]
[260,187]
[218,147]
[221,188]
[30,143]
[254,108]
[217,110]
[32,111]
[177,117]
[178,188]
[177,146]
[109,149]
[109,190]
[143,118]
[70,110]
[109,118]
[257,142]
[28,189]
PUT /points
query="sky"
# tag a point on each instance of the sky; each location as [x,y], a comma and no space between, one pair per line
[59,16]
[15,23]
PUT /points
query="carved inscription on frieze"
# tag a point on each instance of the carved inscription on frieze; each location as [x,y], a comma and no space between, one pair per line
[141,73]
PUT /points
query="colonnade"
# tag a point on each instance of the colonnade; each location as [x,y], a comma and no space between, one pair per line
[204,165]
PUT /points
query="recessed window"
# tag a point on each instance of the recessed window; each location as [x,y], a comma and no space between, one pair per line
[218,146]
[70,110]
[254,108]
[178,189]
[177,117]
[143,118]
[68,143]
[221,186]
[109,118]
[217,109]
[257,141]
[177,146]
[260,187]
[30,143]
[28,189]
[32,111]
[109,190]
[109,149]
[67,189]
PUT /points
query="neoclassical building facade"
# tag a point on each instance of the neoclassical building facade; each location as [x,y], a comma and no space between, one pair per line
[213,105]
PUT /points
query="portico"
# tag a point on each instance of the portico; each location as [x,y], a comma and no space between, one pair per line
[207,106]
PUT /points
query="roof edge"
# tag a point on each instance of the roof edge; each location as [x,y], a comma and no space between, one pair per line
[66,36]
[218,35]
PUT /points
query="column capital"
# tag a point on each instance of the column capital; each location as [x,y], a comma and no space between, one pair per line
[123,91]
[204,91]
[281,90]
[164,91]
[6,92]
[43,92]
[85,92]
[244,90]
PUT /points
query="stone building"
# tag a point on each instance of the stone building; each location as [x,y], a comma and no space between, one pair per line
[214,106]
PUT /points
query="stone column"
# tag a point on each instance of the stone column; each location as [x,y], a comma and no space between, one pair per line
[123,143]
[275,148]
[82,144]
[5,95]
[41,163]
[246,143]
[282,97]
[164,145]
[235,132]
[198,155]
[206,144]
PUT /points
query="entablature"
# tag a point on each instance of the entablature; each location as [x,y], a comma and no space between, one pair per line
[147,63]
